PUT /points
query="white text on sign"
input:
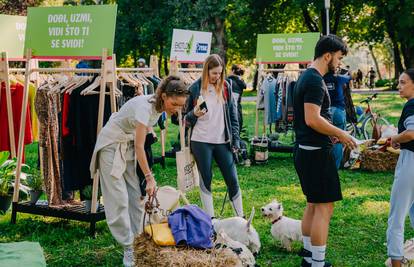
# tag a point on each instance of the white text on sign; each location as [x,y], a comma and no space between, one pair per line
[69,30]
[287,47]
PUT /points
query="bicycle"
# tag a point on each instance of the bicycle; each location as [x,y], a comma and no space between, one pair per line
[367,122]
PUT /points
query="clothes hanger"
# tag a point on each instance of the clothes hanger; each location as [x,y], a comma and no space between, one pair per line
[130,81]
[96,83]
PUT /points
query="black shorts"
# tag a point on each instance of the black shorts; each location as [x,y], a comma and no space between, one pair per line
[318,175]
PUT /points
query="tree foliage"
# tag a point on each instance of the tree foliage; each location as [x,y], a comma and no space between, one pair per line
[145,27]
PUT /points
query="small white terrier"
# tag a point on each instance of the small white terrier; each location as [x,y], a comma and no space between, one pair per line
[241,230]
[283,228]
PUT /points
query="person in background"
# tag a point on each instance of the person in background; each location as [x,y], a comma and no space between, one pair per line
[335,84]
[237,86]
[371,75]
[313,157]
[402,193]
[359,78]
[119,144]
[214,132]
[142,63]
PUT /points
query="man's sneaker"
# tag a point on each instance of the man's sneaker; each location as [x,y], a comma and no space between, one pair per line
[305,253]
[307,264]
[128,257]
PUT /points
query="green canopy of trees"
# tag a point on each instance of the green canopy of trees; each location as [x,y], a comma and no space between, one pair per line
[145,27]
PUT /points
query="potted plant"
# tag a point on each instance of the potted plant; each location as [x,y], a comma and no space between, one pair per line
[35,182]
[6,179]
[7,175]
[87,194]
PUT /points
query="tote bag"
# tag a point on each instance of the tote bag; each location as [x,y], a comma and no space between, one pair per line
[187,172]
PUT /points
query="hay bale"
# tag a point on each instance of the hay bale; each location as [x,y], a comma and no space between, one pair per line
[148,254]
[375,160]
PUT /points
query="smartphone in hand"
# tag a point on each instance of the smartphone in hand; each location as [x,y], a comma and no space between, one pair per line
[202,103]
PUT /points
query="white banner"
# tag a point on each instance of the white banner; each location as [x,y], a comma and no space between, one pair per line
[190,46]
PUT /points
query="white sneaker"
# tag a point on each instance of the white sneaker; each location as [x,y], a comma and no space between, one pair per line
[128,257]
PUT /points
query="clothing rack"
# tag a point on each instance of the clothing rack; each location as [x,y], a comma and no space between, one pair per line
[261,73]
[153,69]
[107,72]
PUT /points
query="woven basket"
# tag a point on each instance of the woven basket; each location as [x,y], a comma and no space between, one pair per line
[375,160]
[148,254]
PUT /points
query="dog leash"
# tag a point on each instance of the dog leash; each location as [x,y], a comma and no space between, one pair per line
[222,206]
[148,210]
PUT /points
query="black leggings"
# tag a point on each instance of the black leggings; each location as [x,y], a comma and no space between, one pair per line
[204,154]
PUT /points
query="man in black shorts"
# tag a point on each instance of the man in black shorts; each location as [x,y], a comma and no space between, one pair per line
[313,157]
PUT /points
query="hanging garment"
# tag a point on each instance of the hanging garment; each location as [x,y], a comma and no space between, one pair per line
[260,98]
[269,85]
[279,97]
[80,118]
[47,107]
[16,99]
[291,87]
[33,115]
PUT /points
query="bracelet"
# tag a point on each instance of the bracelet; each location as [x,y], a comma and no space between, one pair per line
[149,175]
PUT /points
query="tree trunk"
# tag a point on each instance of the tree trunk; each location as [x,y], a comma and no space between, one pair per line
[323,21]
[135,56]
[375,61]
[166,70]
[312,26]
[408,53]
[160,57]
[337,16]
[220,38]
[390,26]
[398,67]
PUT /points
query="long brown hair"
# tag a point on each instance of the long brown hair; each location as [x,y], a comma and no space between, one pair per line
[171,86]
[211,62]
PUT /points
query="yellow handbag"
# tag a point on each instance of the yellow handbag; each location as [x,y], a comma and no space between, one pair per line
[161,234]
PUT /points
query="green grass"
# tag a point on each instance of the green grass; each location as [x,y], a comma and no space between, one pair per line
[357,234]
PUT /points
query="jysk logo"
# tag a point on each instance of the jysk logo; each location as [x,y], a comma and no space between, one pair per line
[202,48]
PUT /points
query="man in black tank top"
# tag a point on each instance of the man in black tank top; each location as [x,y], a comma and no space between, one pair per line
[313,157]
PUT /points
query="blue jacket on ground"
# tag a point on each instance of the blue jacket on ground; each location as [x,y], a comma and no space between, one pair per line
[192,226]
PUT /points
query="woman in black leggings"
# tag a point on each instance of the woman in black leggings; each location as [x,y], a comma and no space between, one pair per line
[214,132]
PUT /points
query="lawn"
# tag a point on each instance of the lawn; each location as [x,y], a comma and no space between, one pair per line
[357,234]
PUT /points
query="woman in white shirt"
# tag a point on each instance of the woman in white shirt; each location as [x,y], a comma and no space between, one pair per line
[215,132]
[119,145]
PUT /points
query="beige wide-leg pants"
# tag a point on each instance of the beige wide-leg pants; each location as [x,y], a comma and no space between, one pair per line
[123,208]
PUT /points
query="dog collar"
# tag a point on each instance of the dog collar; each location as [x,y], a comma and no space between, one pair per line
[276,220]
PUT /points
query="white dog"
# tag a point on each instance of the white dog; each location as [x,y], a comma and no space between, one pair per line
[283,228]
[239,229]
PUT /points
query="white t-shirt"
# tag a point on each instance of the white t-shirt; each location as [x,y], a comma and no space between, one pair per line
[137,109]
[210,127]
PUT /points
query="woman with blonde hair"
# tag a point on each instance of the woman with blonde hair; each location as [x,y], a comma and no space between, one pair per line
[212,116]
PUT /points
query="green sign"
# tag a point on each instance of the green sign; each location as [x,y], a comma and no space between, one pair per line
[79,31]
[286,48]
[12,30]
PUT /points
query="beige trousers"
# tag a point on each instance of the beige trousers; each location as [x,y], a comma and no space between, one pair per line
[123,206]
